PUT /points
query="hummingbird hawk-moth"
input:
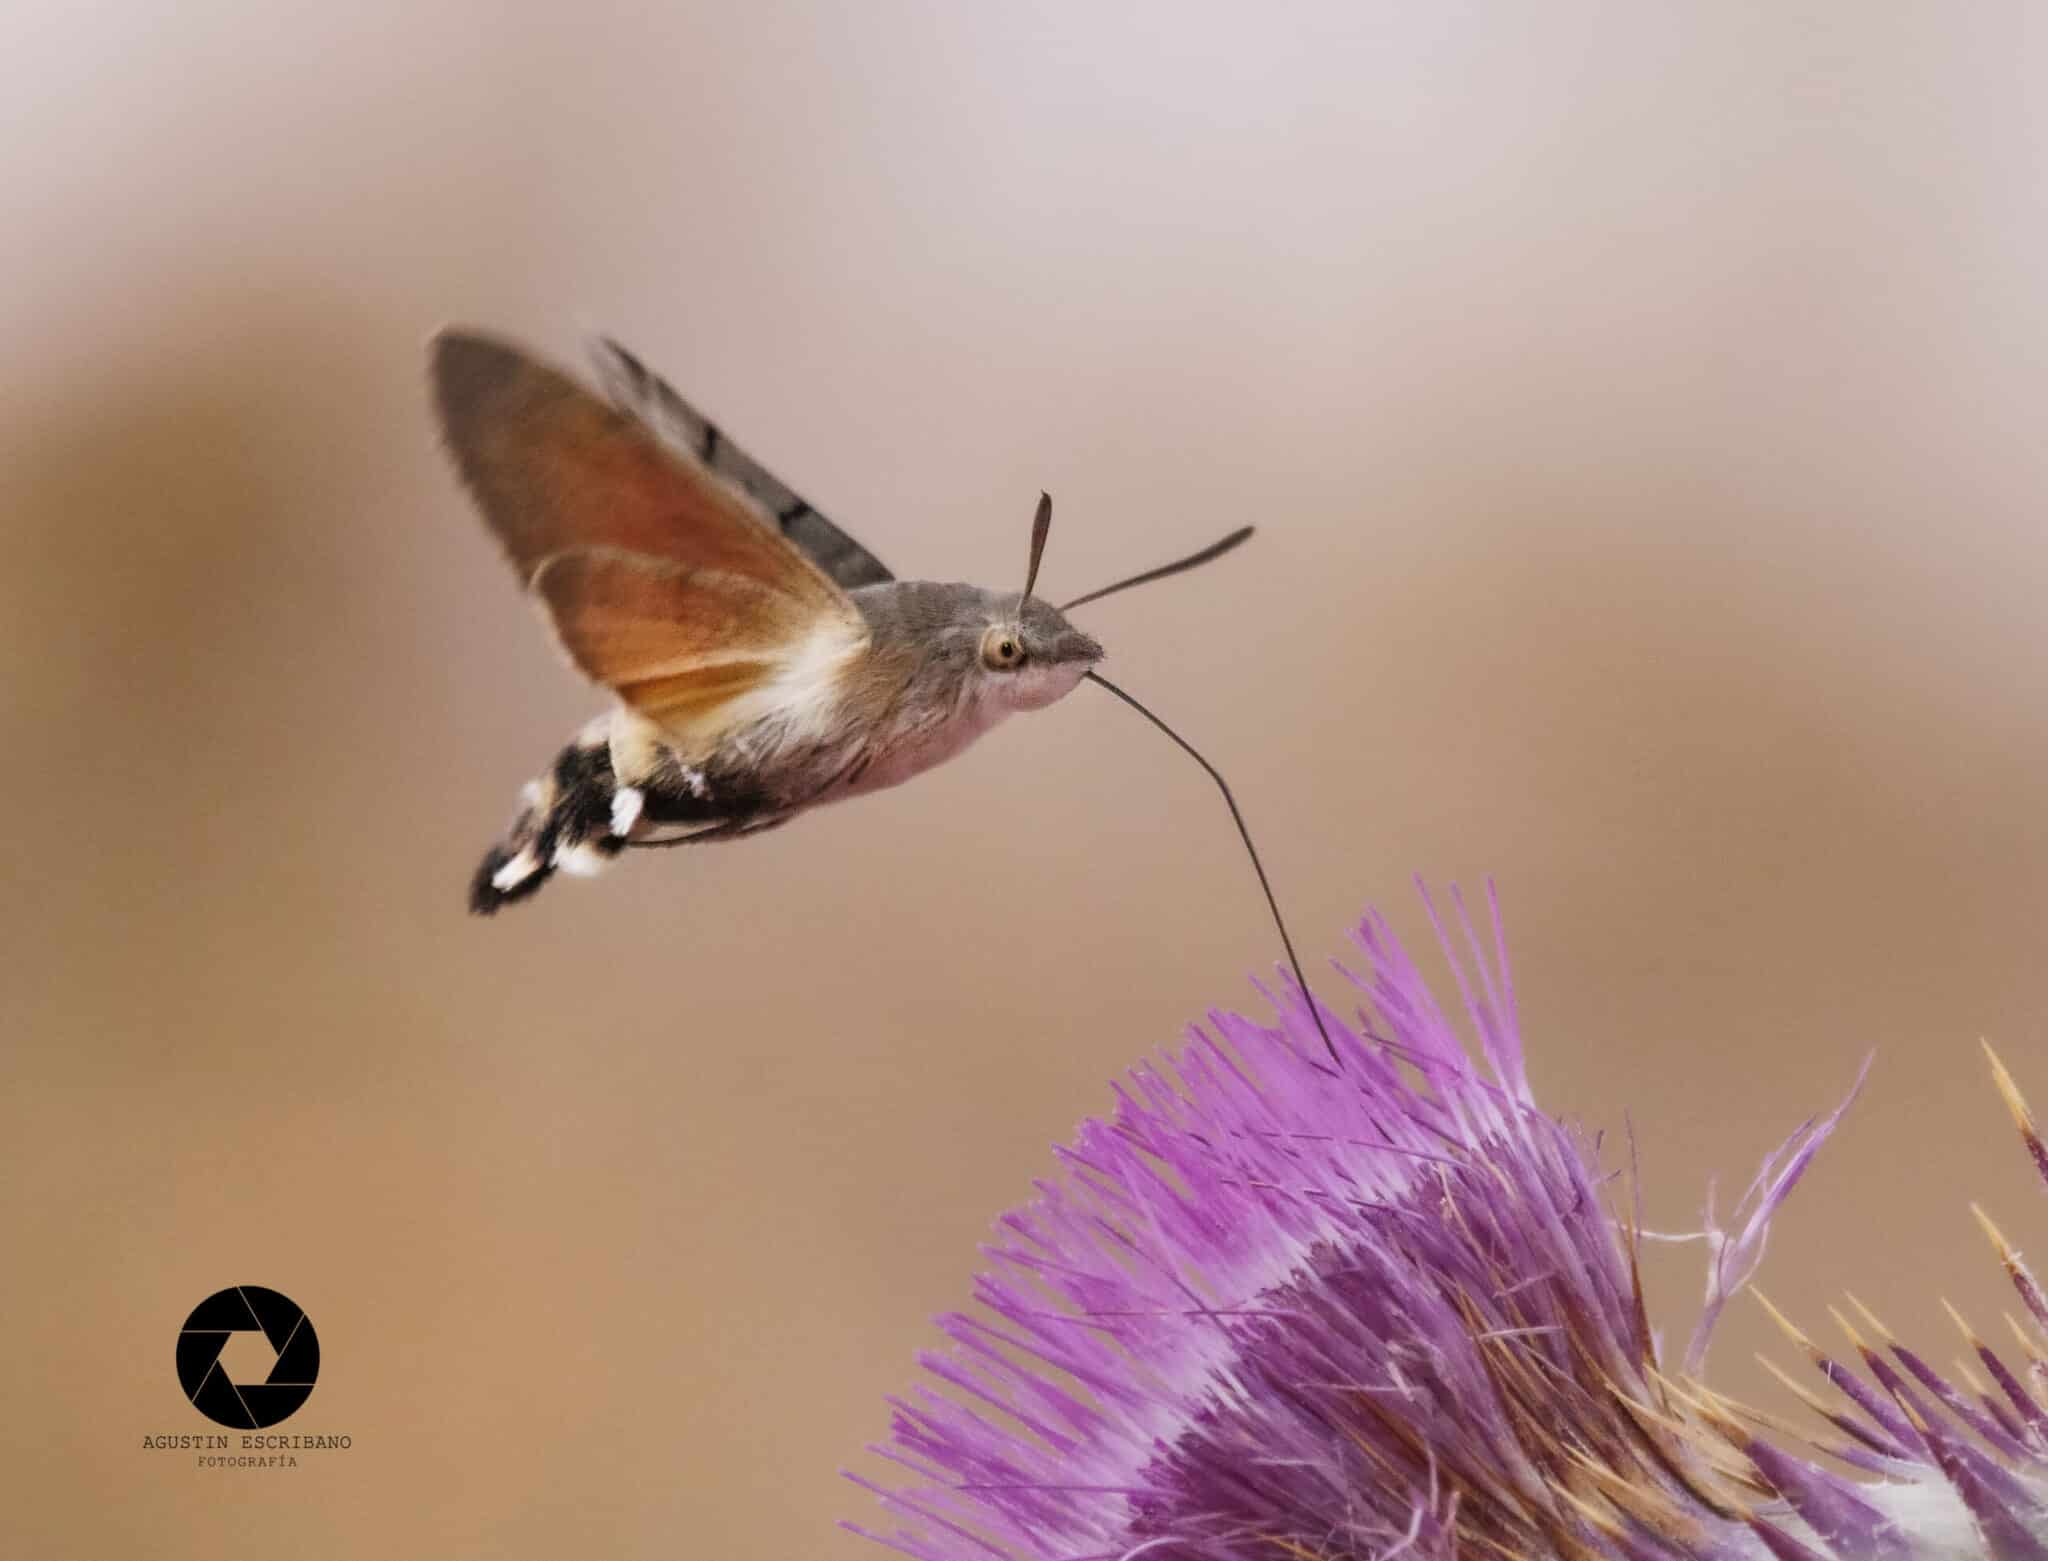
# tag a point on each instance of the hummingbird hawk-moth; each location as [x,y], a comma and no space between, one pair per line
[763,661]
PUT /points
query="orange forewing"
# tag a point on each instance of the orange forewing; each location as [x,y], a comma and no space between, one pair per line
[554,467]
[662,581]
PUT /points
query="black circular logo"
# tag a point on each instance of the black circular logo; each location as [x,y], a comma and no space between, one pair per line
[248,1406]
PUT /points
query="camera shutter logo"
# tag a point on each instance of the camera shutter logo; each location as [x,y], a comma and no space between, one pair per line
[248,1406]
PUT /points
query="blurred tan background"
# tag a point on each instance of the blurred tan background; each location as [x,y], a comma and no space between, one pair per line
[1641,410]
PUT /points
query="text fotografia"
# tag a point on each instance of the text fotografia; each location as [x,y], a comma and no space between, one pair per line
[249,1450]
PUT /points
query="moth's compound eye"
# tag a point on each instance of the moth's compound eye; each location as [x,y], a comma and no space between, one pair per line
[1000,650]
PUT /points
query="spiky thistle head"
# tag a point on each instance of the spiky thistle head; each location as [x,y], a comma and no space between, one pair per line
[1273,1307]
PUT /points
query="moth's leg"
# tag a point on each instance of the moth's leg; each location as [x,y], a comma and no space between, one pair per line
[731,829]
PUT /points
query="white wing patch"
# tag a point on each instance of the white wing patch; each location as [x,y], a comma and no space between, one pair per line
[627,802]
[801,703]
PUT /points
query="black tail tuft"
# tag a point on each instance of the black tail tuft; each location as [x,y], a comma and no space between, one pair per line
[566,824]
[486,898]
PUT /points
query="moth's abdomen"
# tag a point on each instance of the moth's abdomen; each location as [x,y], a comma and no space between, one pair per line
[610,788]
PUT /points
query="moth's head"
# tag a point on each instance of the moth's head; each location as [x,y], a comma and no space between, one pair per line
[1028,654]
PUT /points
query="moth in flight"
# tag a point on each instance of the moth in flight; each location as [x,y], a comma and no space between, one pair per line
[763,661]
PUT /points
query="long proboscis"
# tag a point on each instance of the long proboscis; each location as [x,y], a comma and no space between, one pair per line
[1243,830]
[1178,566]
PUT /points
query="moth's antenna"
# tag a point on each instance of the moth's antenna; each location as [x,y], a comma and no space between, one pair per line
[1041,528]
[1193,560]
[1258,867]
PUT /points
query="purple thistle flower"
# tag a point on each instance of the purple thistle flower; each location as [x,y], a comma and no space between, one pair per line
[1274,1309]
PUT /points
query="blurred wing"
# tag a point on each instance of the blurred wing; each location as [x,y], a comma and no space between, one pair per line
[660,581]
[637,389]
